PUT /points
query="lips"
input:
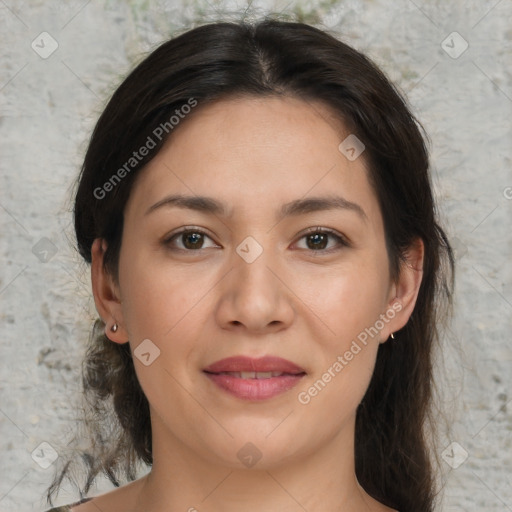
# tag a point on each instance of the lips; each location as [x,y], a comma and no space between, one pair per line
[262,365]
[254,375]
[254,379]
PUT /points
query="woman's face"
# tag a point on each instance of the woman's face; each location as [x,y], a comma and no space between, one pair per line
[250,281]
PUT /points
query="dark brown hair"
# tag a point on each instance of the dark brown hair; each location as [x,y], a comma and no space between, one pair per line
[273,58]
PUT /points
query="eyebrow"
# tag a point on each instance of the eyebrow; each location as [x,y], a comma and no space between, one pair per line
[297,207]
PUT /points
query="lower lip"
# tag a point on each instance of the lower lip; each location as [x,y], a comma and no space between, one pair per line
[255,389]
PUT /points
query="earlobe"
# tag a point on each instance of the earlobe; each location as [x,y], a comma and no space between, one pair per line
[106,295]
[405,291]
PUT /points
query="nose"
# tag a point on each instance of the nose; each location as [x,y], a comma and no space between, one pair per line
[255,297]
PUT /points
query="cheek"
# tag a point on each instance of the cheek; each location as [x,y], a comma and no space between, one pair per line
[157,299]
[162,305]
[349,304]
[349,300]
[350,309]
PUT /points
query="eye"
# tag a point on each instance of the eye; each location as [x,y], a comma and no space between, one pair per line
[192,239]
[317,240]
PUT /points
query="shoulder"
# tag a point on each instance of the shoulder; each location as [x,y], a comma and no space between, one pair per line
[122,498]
[70,507]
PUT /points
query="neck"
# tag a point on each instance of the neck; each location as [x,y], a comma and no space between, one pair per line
[182,479]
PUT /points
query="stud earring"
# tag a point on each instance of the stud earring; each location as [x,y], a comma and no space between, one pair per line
[114,328]
[392,336]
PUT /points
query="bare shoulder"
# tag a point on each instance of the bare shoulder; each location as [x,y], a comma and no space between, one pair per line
[84,507]
[121,498]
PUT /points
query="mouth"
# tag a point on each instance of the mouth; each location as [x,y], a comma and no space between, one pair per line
[254,379]
[255,375]
[239,364]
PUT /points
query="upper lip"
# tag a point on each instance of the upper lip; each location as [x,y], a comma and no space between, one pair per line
[249,364]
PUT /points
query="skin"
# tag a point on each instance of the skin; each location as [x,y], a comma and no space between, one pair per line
[294,301]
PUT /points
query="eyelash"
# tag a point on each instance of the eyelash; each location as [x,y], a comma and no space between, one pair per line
[342,242]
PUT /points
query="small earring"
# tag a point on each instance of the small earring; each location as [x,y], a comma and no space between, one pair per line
[114,328]
[392,336]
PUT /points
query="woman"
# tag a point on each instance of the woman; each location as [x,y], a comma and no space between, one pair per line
[256,207]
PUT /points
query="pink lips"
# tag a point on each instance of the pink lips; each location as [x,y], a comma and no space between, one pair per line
[257,381]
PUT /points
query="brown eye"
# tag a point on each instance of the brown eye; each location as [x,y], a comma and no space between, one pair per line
[318,239]
[187,240]
[192,240]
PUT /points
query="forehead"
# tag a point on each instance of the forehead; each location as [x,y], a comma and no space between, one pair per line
[250,151]
[243,123]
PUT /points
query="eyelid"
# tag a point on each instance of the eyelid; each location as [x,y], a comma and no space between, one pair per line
[320,229]
[343,241]
[192,229]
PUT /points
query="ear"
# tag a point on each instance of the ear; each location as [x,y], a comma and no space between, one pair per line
[106,294]
[404,291]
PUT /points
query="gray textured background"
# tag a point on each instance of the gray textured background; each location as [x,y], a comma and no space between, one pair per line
[48,107]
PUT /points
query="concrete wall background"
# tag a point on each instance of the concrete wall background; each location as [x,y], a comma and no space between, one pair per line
[48,107]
